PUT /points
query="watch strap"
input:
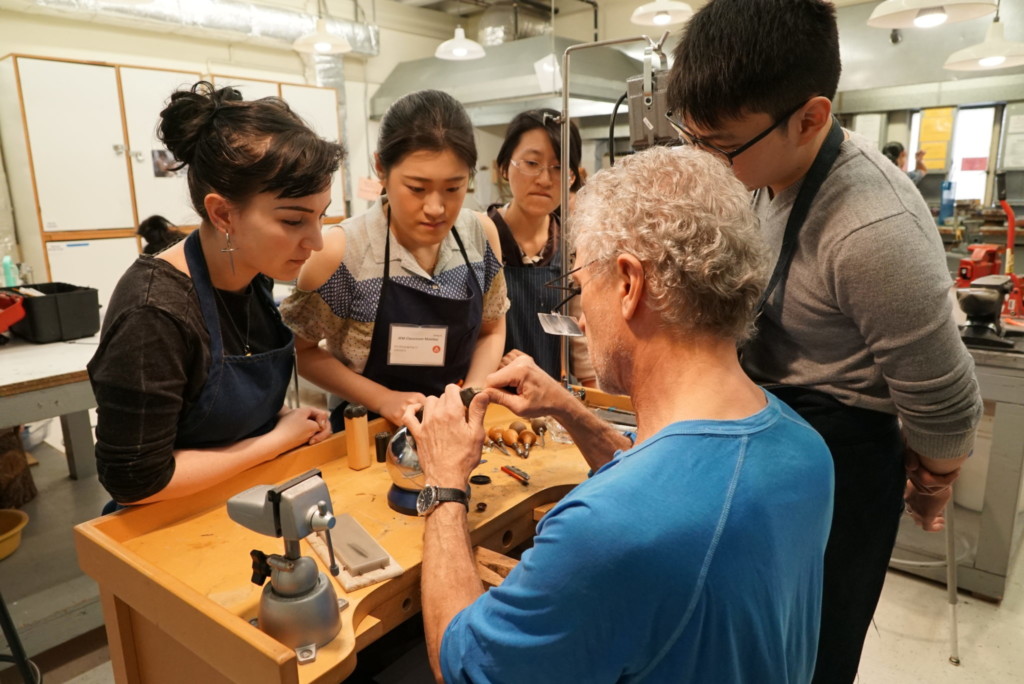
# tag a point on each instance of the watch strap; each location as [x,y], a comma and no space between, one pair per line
[448,494]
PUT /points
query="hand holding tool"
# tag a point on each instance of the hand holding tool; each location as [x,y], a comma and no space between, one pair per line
[496,436]
[511,438]
[527,439]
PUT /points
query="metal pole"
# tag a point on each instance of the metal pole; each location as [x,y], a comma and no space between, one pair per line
[564,200]
[951,561]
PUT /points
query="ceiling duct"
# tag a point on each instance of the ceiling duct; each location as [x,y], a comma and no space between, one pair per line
[510,79]
[507,20]
[211,19]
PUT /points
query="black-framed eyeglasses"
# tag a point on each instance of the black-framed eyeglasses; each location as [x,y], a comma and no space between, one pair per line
[565,283]
[689,138]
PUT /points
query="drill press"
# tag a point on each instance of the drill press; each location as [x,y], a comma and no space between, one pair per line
[299,607]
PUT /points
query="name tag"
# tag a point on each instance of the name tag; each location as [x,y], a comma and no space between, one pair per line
[417,345]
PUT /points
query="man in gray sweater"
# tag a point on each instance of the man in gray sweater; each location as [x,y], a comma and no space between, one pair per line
[857,334]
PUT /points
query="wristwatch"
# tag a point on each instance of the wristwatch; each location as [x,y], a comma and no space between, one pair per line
[431,496]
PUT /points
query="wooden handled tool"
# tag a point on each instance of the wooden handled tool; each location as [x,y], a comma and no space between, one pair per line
[539,426]
[518,426]
[496,437]
[512,439]
[527,439]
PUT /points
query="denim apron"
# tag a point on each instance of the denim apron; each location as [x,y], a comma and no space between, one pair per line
[404,305]
[242,394]
[529,297]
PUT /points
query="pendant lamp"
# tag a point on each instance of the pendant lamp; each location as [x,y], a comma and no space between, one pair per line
[460,47]
[995,52]
[661,13]
[321,41]
[903,14]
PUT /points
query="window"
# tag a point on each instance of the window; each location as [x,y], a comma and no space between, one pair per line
[972,142]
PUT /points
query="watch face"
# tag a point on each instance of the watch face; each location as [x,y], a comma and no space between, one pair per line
[426,500]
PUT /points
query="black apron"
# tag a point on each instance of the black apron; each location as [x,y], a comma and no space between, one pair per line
[855,436]
[242,394]
[529,297]
[404,305]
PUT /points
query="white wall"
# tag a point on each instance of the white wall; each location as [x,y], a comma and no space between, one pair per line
[405,33]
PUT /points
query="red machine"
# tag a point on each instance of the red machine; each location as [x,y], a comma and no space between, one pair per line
[1013,308]
[983,261]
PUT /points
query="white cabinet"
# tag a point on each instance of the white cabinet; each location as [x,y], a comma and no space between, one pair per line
[73,120]
[318,107]
[92,263]
[84,163]
[158,189]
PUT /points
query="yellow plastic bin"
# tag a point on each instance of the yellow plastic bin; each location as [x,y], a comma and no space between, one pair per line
[12,522]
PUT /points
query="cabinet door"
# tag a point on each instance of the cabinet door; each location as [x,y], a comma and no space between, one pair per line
[73,114]
[319,108]
[158,189]
[92,263]
[251,90]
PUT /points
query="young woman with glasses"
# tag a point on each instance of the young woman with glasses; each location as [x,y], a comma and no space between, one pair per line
[528,226]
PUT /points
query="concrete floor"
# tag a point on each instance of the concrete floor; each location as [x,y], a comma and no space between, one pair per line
[60,622]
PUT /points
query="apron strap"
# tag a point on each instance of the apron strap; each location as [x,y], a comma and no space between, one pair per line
[387,254]
[813,181]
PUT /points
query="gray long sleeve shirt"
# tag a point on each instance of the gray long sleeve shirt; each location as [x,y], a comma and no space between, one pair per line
[864,313]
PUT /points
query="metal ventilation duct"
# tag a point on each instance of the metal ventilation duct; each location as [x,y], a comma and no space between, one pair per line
[507,20]
[509,80]
[214,19]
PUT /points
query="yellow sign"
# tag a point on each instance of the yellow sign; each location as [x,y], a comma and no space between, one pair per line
[935,154]
[937,124]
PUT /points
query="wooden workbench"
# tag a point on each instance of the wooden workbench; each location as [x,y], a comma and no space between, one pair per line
[174,576]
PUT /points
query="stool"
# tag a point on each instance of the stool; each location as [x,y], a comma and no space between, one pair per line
[28,670]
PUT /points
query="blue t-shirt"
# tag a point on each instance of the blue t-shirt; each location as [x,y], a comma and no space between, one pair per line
[695,556]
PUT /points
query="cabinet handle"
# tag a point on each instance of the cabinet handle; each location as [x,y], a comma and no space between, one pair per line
[118,149]
[139,155]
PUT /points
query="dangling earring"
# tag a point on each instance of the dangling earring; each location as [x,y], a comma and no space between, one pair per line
[229,250]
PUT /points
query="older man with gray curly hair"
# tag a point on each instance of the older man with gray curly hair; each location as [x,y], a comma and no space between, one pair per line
[694,551]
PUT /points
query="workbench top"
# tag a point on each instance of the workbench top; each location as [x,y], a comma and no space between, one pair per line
[175,575]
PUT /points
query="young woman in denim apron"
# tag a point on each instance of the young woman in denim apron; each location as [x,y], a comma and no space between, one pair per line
[529,159]
[194,361]
[409,295]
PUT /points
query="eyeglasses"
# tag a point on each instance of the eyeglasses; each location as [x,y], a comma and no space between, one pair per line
[689,138]
[529,167]
[566,284]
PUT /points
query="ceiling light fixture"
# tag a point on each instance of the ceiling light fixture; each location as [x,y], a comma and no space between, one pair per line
[661,13]
[460,47]
[931,16]
[321,41]
[927,13]
[995,52]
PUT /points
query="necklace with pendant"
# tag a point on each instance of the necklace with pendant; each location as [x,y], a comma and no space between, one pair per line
[231,319]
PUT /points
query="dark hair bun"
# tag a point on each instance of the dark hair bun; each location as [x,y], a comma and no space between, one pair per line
[186,117]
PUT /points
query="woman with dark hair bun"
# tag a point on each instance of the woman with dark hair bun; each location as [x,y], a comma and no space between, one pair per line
[409,295]
[528,227]
[194,361]
[159,234]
